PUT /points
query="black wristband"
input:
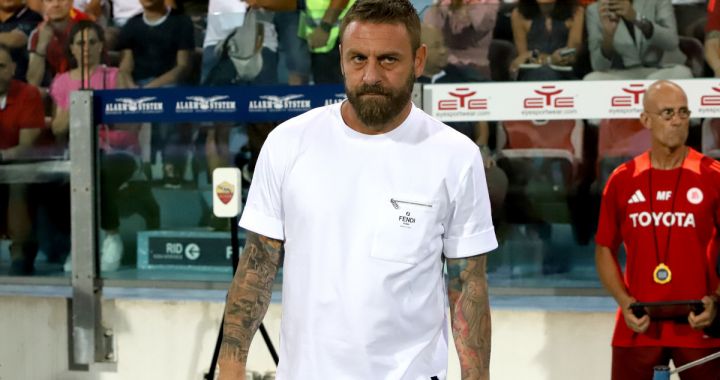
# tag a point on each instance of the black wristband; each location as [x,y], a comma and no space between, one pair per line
[326,26]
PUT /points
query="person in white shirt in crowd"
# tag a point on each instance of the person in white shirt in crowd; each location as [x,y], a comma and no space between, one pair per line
[368,199]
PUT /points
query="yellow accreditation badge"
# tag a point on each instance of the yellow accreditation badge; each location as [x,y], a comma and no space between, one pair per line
[662,274]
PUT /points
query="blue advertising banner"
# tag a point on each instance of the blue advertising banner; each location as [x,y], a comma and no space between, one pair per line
[199,104]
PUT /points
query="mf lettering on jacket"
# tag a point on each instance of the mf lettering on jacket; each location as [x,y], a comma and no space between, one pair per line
[667,219]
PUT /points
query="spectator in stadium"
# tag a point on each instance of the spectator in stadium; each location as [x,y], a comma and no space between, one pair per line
[629,39]
[467,27]
[17,21]
[353,315]
[294,48]
[285,21]
[712,37]
[156,47]
[438,69]
[548,37]
[21,122]
[119,145]
[48,42]
[223,17]
[663,207]
[320,26]
[229,19]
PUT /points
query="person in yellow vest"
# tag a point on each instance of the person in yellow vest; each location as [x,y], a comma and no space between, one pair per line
[320,26]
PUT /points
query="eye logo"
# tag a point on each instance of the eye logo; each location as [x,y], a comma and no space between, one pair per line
[711,100]
[548,99]
[462,99]
[635,92]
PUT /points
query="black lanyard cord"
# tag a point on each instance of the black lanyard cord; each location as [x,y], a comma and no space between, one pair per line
[672,211]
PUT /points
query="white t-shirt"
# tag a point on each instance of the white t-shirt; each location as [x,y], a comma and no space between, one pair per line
[123,10]
[226,15]
[365,220]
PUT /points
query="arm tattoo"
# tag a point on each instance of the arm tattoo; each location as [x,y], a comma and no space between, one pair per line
[249,296]
[470,313]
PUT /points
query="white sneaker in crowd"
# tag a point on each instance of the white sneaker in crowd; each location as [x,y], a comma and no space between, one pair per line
[111,253]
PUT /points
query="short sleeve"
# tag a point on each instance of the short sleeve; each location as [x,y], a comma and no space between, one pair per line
[59,93]
[469,229]
[186,38]
[263,213]
[608,232]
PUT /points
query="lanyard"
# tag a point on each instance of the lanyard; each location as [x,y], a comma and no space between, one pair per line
[672,211]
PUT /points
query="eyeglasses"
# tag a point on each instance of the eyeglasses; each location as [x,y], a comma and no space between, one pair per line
[90,42]
[668,114]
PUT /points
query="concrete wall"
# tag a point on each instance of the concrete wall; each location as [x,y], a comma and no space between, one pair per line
[174,340]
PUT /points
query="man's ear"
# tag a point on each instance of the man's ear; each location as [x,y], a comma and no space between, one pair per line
[420,58]
[645,119]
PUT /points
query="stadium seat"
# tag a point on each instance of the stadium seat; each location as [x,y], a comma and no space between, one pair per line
[541,138]
[618,141]
[541,159]
[711,138]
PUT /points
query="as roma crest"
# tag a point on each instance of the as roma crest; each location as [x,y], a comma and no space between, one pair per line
[225,191]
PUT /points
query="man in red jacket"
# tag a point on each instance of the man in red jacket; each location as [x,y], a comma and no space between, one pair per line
[21,120]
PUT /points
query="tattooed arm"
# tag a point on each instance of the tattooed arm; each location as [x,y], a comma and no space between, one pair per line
[247,302]
[470,313]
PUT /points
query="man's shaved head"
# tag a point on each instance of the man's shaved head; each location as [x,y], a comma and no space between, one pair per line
[666,115]
[657,91]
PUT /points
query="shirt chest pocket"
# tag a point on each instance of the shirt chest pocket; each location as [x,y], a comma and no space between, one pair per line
[405,229]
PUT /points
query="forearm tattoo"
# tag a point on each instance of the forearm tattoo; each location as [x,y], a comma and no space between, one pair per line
[470,313]
[249,295]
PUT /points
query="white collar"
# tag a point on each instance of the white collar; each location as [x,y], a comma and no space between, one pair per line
[158,21]
[3,102]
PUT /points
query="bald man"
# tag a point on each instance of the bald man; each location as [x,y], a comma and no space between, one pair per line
[664,206]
